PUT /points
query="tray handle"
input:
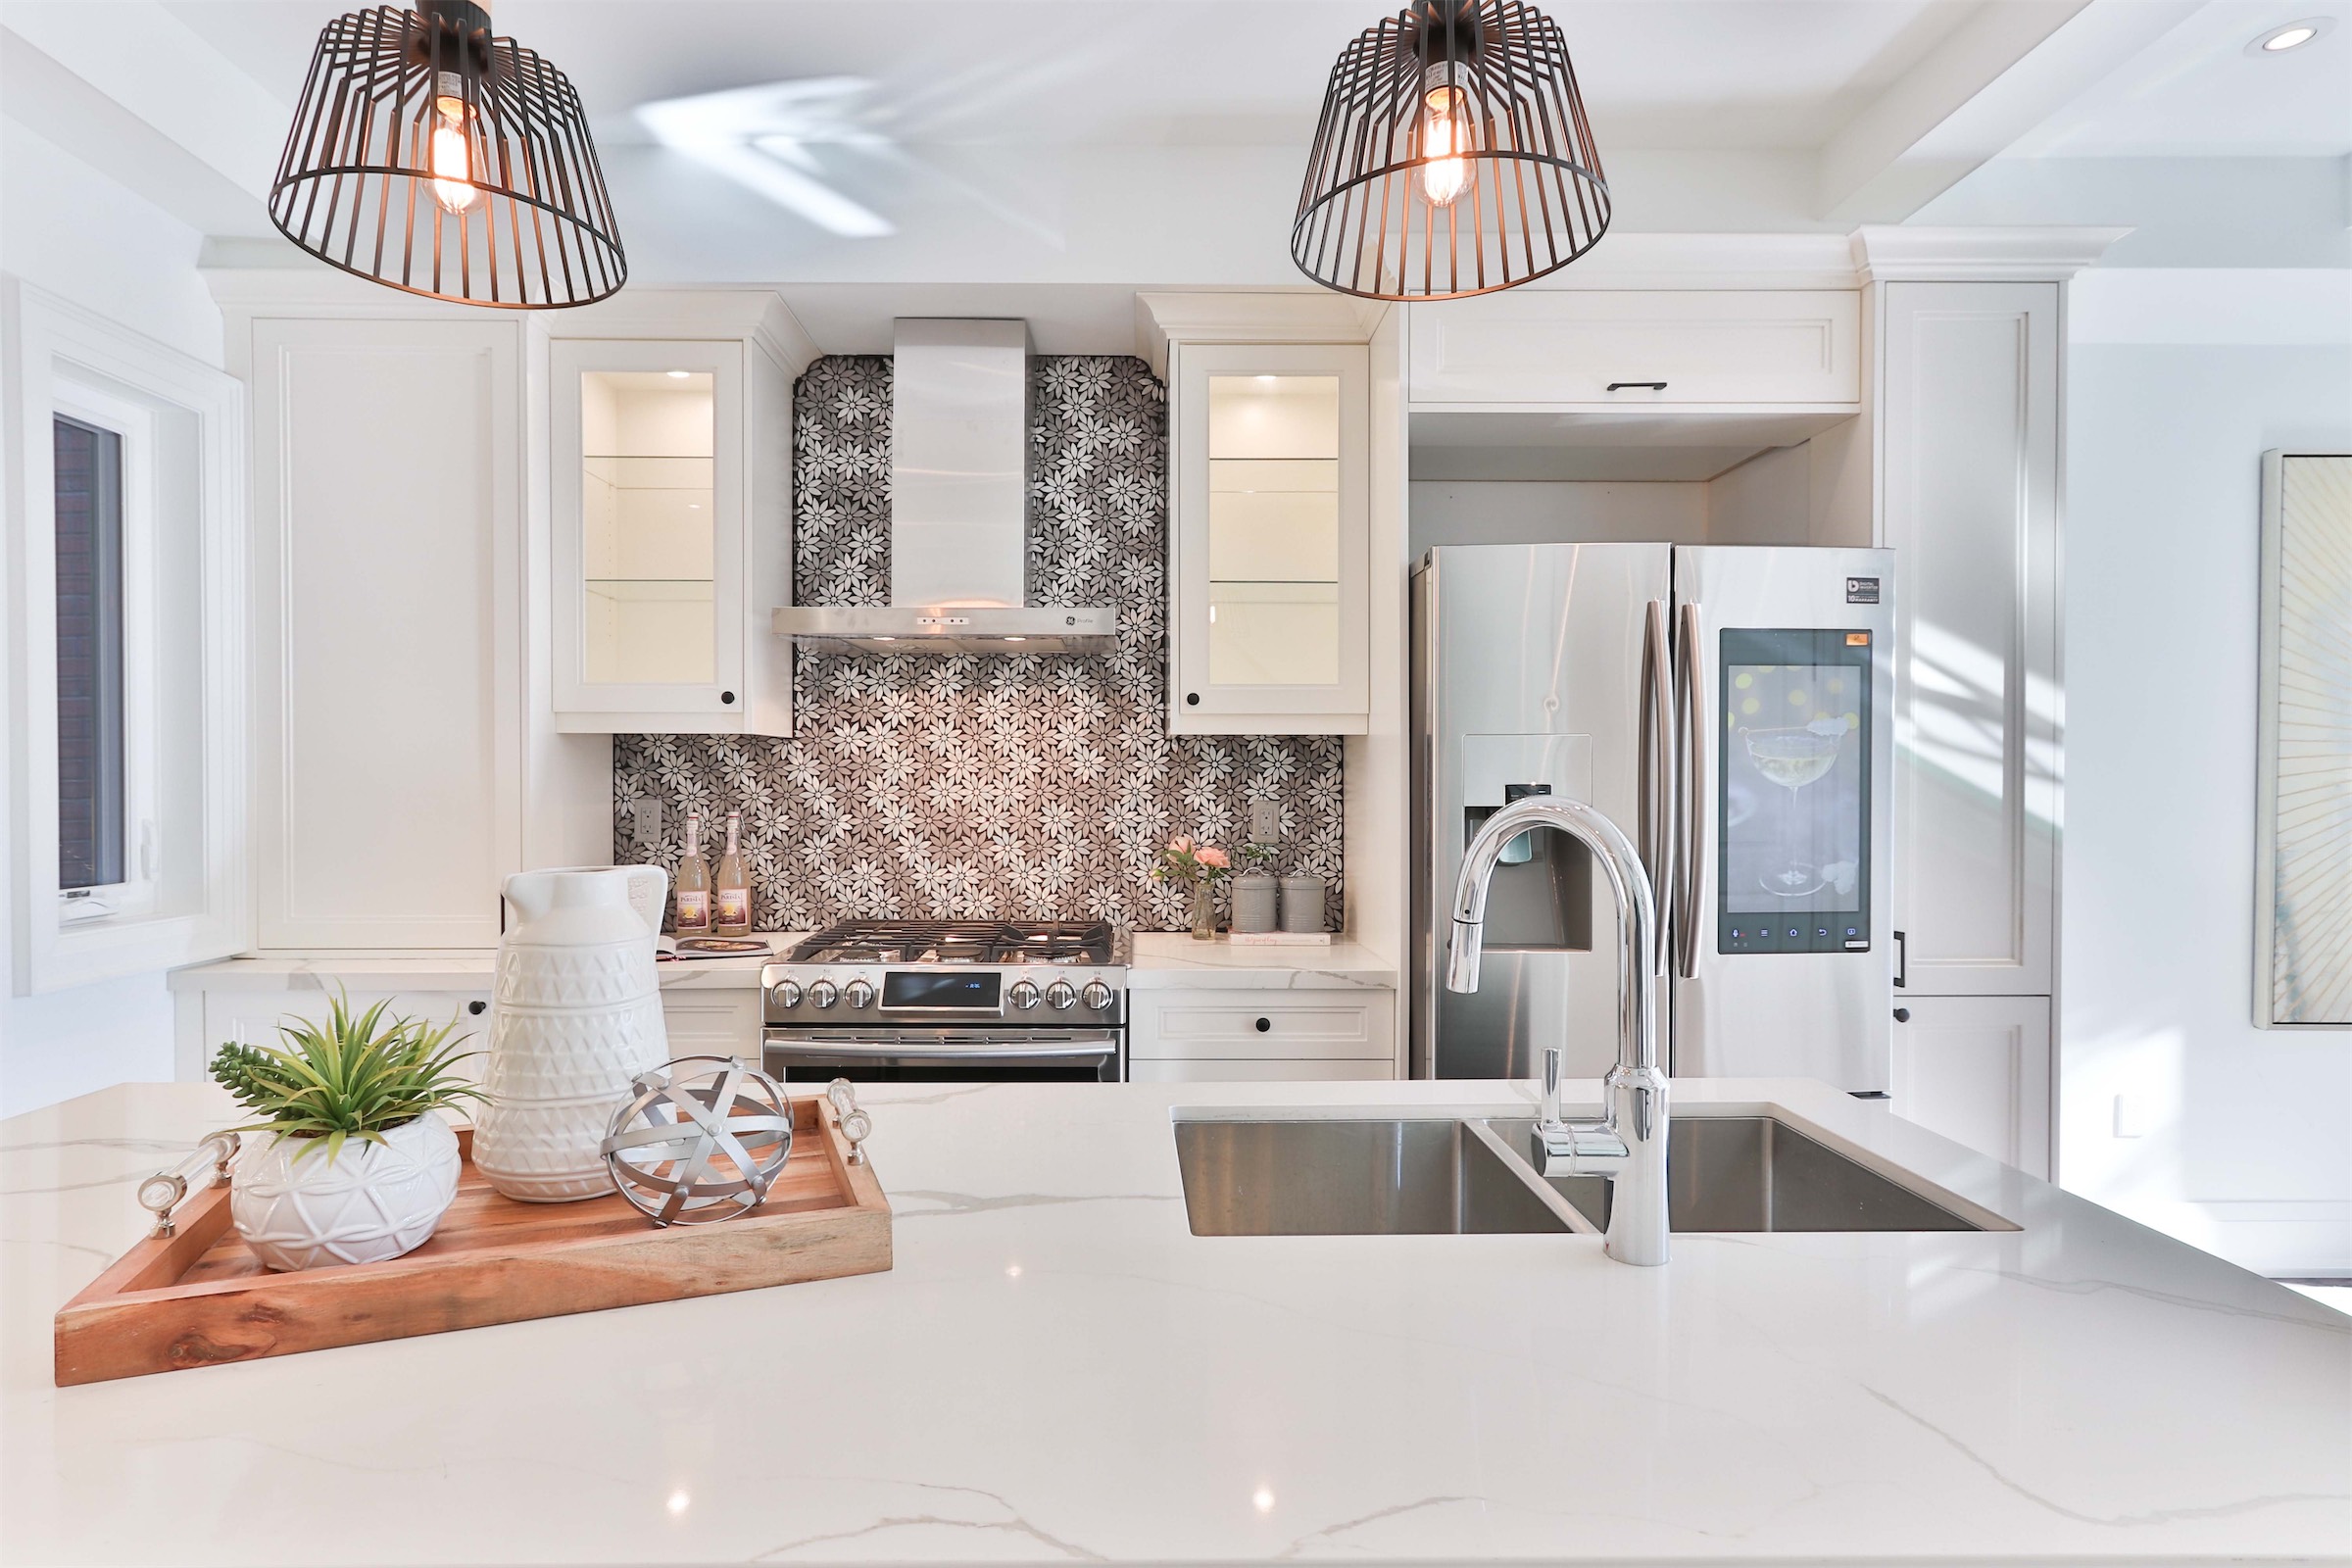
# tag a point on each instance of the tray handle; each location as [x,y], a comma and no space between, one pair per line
[856,1125]
[166,1190]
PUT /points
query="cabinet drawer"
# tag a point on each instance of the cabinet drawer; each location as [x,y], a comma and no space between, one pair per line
[712,1023]
[1236,1072]
[1567,347]
[1261,1026]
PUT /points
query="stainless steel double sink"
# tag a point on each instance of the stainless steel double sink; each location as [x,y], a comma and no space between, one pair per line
[1424,1176]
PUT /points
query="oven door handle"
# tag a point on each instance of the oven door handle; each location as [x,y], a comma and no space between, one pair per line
[909,1051]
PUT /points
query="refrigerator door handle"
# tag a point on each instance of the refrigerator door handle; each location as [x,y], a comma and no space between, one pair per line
[1691,870]
[1657,784]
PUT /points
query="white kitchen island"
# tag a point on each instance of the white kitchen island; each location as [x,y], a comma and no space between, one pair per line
[1058,1369]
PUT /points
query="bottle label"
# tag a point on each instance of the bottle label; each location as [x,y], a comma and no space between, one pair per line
[734,905]
[693,910]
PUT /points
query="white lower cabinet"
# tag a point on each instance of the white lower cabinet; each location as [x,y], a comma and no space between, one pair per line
[712,1023]
[1182,1036]
[252,1017]
[1977,1069]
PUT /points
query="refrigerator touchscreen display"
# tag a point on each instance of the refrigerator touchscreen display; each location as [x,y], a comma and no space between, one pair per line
[1793,792]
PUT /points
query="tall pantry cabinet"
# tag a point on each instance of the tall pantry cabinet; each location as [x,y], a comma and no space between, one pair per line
[390,768]
[411,744]
[1970,359]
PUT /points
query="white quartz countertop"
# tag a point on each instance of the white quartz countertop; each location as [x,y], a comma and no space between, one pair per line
[1161,960]
[1058,1369]
[1171,959]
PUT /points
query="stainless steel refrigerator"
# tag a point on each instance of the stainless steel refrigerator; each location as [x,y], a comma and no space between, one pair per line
[1731,708]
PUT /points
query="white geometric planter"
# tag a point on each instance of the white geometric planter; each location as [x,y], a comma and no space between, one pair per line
[369,1203]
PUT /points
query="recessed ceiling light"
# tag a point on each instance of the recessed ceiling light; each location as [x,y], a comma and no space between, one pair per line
[2293,35]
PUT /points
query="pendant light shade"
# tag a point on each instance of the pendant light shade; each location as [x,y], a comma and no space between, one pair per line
[427,154]
[1453,158]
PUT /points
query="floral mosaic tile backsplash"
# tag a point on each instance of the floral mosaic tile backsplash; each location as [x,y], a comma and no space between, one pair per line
[1037,786]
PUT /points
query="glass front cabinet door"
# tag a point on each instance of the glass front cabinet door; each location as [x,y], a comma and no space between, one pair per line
[1270,636]
[659,568]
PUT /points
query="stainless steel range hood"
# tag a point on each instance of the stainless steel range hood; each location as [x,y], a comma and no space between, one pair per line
[958,511]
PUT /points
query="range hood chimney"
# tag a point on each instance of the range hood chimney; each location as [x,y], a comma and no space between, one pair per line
[959,509]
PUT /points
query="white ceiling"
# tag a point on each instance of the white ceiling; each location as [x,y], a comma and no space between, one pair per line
[1068,151]
[1782,73]
[2196,92]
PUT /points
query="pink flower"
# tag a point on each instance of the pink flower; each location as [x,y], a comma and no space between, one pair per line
[1212,857]
[1180,845]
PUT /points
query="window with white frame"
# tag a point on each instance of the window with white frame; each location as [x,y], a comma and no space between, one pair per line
[126,535]
[106,743]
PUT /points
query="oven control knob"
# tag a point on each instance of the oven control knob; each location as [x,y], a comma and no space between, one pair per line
[1060,995]
[787,993]
[822,994]
[1024,995]
[858,994]
[1096,995]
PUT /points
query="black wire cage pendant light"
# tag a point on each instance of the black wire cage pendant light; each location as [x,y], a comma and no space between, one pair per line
[427,154]
[1453,157]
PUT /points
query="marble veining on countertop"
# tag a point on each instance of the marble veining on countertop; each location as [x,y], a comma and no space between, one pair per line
[1057,1369]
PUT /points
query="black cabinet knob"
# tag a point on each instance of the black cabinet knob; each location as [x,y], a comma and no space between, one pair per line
[1192,699]
[1265,1024]
[1902,1016]
[477,1008]
[726,697]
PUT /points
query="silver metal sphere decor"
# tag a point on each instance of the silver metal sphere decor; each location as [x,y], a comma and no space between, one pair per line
[1453,157]
[702,1139]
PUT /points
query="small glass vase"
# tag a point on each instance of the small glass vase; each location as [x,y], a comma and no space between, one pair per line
[1205,910]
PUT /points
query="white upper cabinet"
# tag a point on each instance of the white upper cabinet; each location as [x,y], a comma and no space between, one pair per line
[1970,478]
[671,538]
[1604,348]
[1268,634]
[387,715]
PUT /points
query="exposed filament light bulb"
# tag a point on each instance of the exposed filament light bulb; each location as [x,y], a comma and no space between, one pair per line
[451,158]
[1444,137]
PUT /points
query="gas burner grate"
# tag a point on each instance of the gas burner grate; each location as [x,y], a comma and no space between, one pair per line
[958,941]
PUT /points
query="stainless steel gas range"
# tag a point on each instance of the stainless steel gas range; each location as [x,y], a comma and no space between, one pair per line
[950,1002]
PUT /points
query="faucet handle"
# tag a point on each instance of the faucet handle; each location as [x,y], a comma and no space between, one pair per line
[1550,1114]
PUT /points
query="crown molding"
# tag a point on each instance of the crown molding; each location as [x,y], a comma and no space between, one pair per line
[306,289]
[1889,253]
[758,313]
[1292,316]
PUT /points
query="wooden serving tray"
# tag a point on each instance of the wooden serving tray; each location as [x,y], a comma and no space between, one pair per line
[200,1298]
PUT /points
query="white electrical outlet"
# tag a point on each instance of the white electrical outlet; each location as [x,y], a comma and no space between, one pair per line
[644,821]
[2134,1118]
[1266,821]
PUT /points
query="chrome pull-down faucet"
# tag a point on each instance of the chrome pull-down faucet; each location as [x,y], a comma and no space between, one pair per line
[1628,1143]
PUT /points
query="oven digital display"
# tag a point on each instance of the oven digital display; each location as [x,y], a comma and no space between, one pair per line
[924,988]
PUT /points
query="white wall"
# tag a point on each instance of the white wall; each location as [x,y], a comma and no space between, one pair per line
[2248,1147]
[69,229]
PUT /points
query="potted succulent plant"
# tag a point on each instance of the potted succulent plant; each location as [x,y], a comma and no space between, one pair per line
[352,1162]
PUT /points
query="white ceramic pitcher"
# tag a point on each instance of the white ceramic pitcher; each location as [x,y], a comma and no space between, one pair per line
[577,1014]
